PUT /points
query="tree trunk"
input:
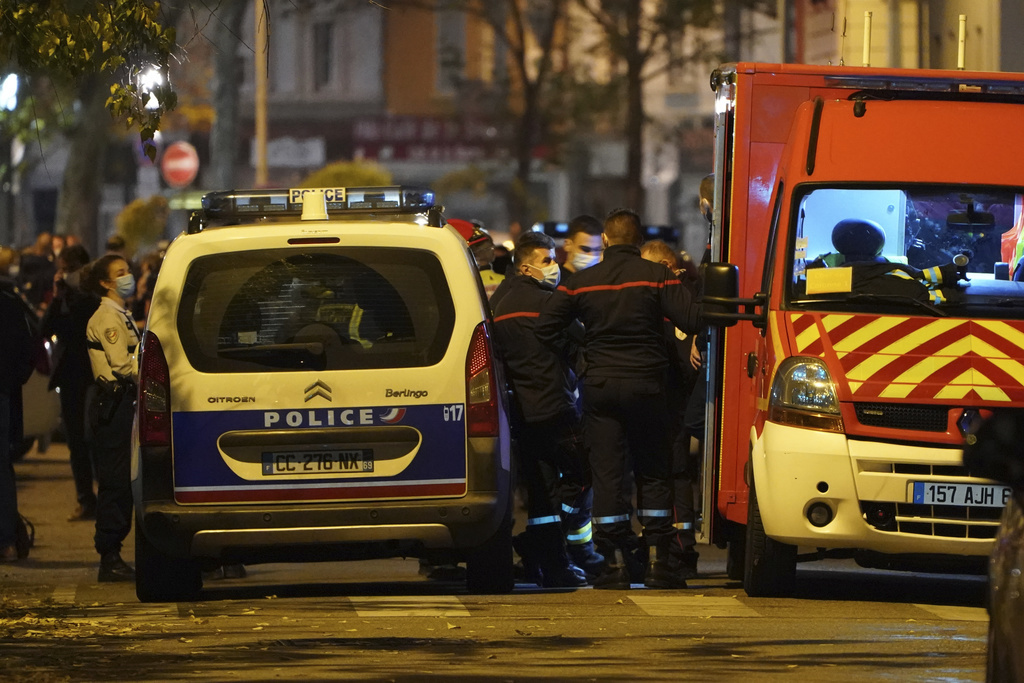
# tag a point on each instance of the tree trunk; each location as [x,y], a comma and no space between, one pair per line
[519,208]
[82,186]
[224,94]
[634,111]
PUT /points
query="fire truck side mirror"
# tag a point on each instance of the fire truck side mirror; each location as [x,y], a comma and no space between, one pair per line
[721,290]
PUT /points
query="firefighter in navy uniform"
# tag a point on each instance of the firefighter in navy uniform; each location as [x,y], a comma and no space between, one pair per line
[545,419]
[112,339]
[622,302]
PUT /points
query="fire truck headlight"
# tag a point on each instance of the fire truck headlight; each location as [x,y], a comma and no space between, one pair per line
[803,395]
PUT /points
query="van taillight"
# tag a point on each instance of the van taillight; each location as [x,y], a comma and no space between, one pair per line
[154,407]
[481,394]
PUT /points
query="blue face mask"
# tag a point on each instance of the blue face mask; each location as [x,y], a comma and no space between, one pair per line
[125,285]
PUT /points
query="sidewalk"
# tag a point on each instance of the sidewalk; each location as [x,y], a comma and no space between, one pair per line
[63,552]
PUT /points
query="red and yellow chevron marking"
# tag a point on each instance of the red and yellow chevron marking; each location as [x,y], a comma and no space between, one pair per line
[923,359]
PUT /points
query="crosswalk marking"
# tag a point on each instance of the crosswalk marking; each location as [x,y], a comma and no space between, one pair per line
[64,594]
[956,613]
[409,606]
[692,606]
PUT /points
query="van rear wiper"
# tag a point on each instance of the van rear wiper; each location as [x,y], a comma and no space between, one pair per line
[892,299]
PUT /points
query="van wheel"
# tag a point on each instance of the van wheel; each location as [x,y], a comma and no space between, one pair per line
[162,578]
[769,568]
[489,568]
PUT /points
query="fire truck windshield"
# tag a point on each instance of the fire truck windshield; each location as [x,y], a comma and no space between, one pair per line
[955,247]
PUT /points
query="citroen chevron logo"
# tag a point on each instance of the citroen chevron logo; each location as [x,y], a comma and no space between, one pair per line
[317,388]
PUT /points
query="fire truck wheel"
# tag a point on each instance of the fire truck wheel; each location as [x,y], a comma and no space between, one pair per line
[769,568]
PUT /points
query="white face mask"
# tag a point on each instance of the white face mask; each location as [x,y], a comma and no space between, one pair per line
[581,260]
[551,274]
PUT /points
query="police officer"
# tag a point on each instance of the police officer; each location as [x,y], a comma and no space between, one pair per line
[622,302]
[112,339]
[545,419]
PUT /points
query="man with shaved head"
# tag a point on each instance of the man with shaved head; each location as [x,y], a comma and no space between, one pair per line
[622,302]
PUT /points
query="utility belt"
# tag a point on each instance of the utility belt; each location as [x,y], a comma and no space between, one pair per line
[109,394]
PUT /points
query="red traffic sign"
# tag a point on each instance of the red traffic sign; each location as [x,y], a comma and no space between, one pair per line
[179,164]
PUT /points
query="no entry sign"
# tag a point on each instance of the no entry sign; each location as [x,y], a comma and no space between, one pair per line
[179,164]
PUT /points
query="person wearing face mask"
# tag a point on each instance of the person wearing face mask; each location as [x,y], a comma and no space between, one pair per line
[583,246]
[545,420]
[622,303]
[113,341]
[66,320]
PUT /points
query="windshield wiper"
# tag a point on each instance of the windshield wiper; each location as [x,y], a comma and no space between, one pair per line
[892,299]
[1008,303]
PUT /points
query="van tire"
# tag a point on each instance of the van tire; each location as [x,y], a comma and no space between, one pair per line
[735,558]
[489,568]
[769,567]
[162,578]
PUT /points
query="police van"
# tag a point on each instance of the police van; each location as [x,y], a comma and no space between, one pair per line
[317,382]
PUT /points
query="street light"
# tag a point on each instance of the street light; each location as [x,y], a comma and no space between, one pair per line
[9,92]
[150,80]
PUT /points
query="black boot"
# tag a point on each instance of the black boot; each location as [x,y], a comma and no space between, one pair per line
[113,568]
[586,558]
[615,575]
[659,574]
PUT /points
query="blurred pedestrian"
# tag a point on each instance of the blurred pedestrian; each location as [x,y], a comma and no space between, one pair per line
[66,320]
[622,302]
[149,269]
[35,275]
[17,348]
[112,340]
[545,421]
[57,244]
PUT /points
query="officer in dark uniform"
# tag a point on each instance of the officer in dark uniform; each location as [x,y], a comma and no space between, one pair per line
[682,376]
[545,419]
[622,302]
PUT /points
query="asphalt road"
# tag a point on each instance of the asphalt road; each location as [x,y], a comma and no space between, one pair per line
[382,621]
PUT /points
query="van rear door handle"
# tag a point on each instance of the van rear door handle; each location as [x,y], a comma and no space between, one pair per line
[751,364]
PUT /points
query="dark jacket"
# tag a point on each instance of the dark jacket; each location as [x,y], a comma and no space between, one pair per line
[541,377]
[622,302]
[18,345]
[66,318]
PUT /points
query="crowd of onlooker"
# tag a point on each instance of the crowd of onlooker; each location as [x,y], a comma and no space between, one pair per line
[37,270]
[45,297]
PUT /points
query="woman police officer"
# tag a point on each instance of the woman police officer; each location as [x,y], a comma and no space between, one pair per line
[110,402]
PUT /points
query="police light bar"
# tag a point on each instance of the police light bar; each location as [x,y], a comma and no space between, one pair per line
[232,204]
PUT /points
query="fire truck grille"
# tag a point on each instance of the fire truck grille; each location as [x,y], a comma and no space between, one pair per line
[922,418]
[947,521]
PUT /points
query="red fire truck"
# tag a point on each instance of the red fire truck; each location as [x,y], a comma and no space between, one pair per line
[866,279]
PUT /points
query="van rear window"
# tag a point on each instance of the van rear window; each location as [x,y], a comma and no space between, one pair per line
[329,309]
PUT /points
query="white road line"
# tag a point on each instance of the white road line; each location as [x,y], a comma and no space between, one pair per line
[955,613]
[692,606]
[64,594]
[409,606]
